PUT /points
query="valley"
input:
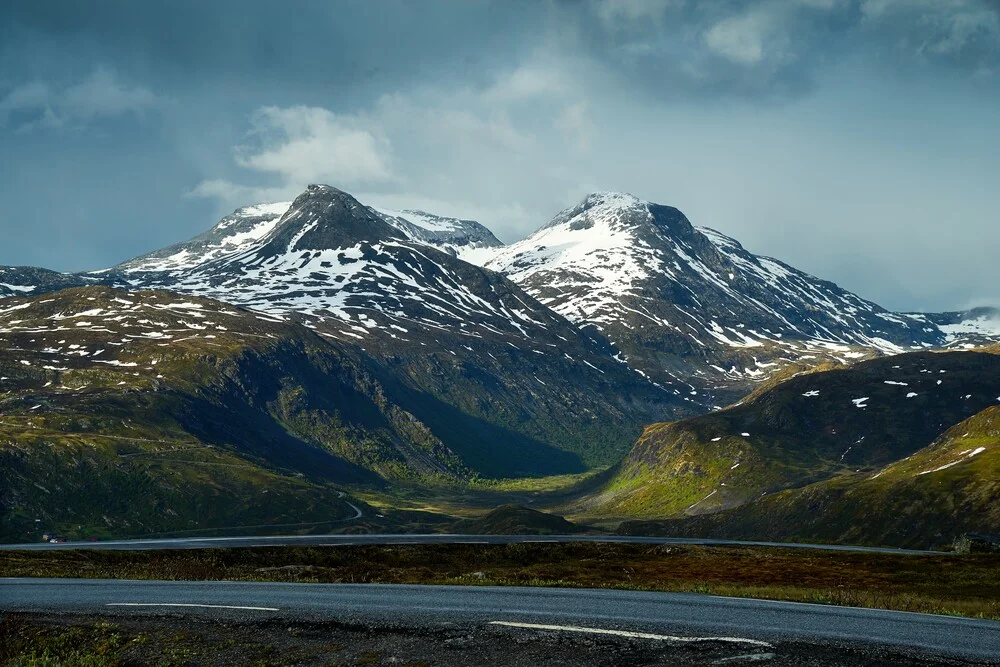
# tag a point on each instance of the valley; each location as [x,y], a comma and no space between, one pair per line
[306,362]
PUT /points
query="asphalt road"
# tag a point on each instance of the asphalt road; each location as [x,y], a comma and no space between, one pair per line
[670,616]
[337,540]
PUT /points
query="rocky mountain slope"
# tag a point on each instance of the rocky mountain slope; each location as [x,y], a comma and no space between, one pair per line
[15,280]
[689,306]
[925,500]
[517,377]
[617,314]
[811,427]
[300,346]
[686,307]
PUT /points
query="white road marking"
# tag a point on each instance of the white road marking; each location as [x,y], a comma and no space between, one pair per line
[186,604]
[631,635]
[750,657]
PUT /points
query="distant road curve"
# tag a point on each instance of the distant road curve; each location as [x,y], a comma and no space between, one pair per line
[677,616]
[340,540]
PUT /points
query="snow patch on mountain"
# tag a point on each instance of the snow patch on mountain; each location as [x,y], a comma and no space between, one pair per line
[976,326]
[466,239]
[594,248]
[233,234]
[617,260]
[327,258]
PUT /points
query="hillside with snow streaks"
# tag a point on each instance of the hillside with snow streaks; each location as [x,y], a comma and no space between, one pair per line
[18,280]
[614,281]
[465,239]
[329,259]
[498,366]
[233,234]
[684,303]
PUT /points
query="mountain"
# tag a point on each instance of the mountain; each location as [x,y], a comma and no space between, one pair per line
[687,308]
[690,307]
[125,413]
[811,427]
[33,280]
[926,500]
[465,239]
[133,412]
[328,258]
[231,235]
[978,327]
[516,377]
[617,314]
[245,226]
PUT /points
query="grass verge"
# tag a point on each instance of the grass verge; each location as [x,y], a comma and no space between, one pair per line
[939,584]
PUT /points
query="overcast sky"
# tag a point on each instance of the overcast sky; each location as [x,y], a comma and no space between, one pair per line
[858,140]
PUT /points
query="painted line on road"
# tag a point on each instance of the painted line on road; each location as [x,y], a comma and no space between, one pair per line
[749,657]
[186,604]
[631,635]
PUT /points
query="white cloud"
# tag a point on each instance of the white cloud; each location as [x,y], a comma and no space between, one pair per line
[766,33]
[440,149]
[99,95]
[526,83]
[234,194]
[300,145]
[740,39]
[102,94]
[34,95]
[309,144]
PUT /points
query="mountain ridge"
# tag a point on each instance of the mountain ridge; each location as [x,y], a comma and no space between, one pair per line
[685,307]
[550,358]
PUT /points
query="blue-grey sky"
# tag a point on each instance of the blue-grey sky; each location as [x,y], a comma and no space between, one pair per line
[855,139]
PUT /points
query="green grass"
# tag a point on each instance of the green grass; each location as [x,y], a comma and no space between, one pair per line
[926,500]
[801,430]
[92,645]
[86,484]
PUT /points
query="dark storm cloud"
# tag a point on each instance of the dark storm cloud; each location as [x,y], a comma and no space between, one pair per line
[249,42]
[723,47]
[128,125]
[773,48]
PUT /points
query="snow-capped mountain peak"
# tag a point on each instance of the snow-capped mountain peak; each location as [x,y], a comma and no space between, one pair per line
[679,305]
[685,302]
[323,218]
[349,270]
[465,239]
[234,233]
[590,256]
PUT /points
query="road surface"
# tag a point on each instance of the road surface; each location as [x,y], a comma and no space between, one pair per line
[668,616]
[338,540]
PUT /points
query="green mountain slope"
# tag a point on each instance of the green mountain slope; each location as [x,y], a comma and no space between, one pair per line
[927,499]
[128,412]
[806,429]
